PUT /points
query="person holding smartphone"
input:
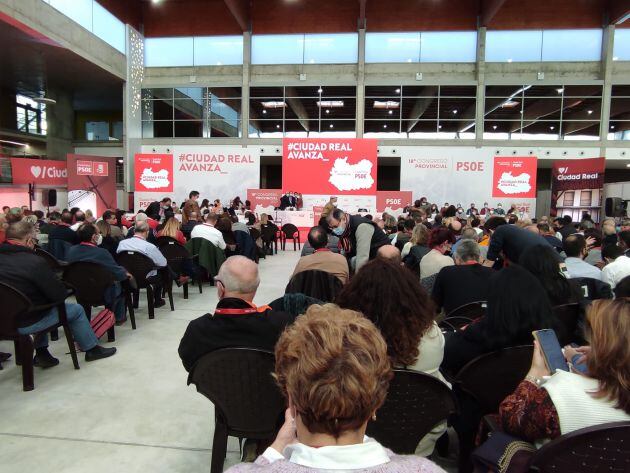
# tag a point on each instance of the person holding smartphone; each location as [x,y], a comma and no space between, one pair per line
[546,405]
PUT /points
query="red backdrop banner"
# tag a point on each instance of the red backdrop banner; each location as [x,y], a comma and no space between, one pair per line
[395,200]
[39,171]
[575,174]
[514,177]
[154,172]
[264,197]
[329,166]
[92,183]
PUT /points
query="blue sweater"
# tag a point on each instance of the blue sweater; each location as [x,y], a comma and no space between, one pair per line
[94,254]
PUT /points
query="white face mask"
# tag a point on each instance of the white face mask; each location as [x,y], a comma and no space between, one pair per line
[99,240]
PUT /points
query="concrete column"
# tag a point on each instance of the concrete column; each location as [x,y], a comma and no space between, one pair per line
[60,118]
[481,85]
[132,104]
[247,60]
[607,66]
[361,84]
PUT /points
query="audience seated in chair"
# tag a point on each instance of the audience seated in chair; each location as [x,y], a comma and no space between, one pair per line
[23,270]
[545,405]
[576,249]
[88,250]
[392,298]
[517,304]
[618,266]
[333,369]
[208,231]
[236,321]
[140,244]
[416,248]
[542,263]
[389,252]
[463,283]
[171,229]
[193,221]
[440,241]
[322,258]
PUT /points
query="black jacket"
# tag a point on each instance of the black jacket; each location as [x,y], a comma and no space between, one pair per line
[22,269]
[456,286]
[63,232]
[213,332]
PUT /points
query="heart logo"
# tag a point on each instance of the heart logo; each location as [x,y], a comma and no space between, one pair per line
[562,170]
[36,171]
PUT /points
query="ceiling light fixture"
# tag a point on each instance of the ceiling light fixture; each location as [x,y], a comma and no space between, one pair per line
[45,101]
[551,127]
[612,127]
[510,103]
[385,126]
[327,111]
[330,126]
[439,127]
[320,90]
[330,103]
[615,58]
[494,127]
[589,111]
[391,112]
[560,90]
[278,126]
[264,111]
[455,112]
[13,143]
[156,1]
[387,104]
[397,91]
[273,104]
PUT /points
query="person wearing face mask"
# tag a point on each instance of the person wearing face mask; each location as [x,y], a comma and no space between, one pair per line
[88,250]
[359,237]
[460,212]
[441,240]
[499,209]
[485,210]
[27,272]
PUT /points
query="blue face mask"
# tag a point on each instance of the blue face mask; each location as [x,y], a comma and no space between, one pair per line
[339,230]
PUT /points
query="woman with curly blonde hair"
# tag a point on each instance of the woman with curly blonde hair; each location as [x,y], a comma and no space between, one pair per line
[332,367]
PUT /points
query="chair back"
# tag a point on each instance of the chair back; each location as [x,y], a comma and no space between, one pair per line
[137,264]
[567,317]
[601,448]
[268,233]
[453,324]
[89,280]
[255,233]
[490,378]
[14,304]
[238,382]
[52,262]
[592,289]
[315,283]
[58,248]
[165,240]
[245,245]
[472,310]
[289,230]
[174,252]
[416,402]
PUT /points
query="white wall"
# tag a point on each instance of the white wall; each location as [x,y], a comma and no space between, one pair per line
[17,196]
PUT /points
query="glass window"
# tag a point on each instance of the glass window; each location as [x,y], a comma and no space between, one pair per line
[619,126]
[451,46]
[621,50]
[514,46]
[331,48]
[569,197]
[79,11]
[165,52]
[97,131]
[30,116]
[278,49]
[109,28]
[392,47]
[585,198]
[572,45]
[218,50]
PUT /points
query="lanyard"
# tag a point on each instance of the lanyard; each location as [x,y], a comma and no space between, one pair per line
[85,243]
[321,249]
[242,311]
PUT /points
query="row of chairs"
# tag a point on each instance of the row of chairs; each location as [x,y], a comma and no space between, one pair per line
[248,405]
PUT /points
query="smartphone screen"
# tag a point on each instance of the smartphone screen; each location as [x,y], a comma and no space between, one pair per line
[552,352]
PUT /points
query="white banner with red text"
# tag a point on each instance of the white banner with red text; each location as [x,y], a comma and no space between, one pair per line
[216,172]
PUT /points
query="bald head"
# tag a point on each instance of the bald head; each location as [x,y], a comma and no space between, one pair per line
[238,277]
[389,252]
[533,228]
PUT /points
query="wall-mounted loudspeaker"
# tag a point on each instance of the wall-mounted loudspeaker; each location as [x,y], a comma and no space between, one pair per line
[615,207]
[51,198]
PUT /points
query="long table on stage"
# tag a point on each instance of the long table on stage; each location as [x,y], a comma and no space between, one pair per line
[299,218]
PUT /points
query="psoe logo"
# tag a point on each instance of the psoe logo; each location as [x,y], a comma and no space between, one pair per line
[84,168]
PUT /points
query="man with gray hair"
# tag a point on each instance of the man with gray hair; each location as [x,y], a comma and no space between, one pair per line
[463,283]
[236,321]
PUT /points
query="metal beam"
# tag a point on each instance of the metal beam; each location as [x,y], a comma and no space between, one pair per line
[241,11]
[362,18]
[618,12]
[489,9]
[298,107]
[423,101]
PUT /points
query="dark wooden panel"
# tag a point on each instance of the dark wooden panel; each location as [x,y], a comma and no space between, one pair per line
[540,14]
[305,16]
[188,18]
[421,15]
[127,11]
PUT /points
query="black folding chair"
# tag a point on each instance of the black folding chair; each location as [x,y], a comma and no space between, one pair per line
[139,265]
[176,254]
[429,399]
[601,448]
[472,310]
[314,283]
[290,232]
[90,281]
[247,401]
[14,306]
[453,324]
[269,236]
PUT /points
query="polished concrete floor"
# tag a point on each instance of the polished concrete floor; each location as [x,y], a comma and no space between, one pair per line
[132,412]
